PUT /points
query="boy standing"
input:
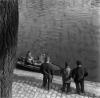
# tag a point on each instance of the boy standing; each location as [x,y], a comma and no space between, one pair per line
[66,77]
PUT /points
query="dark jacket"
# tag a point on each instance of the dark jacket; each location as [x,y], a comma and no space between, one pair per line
[46,70]
[79,73]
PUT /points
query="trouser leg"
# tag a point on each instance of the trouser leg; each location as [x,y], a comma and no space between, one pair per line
[44,81]
[64,86]
[49,82]
[77,87]
[82,86]
[51,78]
[68,87]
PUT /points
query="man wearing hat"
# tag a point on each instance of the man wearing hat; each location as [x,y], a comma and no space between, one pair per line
[78,74]
[47,72]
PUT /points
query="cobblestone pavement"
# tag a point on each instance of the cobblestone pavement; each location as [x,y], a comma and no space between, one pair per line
[30,87]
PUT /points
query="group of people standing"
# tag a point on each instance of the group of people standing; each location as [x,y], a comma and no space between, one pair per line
[76,74]
[68,75]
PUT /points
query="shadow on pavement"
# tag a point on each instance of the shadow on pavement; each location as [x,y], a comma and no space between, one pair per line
[34,82]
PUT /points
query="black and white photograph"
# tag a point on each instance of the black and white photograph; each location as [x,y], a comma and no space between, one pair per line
[49,48]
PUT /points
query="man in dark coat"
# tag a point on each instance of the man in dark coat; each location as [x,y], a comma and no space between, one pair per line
[78,74]
[47,72]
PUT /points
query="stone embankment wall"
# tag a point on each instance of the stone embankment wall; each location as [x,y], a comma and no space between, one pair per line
[68,30]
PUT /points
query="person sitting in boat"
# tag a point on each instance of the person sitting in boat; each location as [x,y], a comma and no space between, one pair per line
[42,57]
[29,58]
[48,60]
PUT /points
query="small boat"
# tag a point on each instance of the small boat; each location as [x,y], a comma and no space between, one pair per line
[34,66]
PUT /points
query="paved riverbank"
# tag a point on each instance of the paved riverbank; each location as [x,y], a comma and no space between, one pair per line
[28,85]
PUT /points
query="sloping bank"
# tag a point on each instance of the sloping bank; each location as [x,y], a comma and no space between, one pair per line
[91,87]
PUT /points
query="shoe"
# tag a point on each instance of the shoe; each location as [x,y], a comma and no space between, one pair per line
[63,90]
[82,93]
[78,92]
[68,92]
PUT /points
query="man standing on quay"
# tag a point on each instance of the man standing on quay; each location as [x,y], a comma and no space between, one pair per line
[47,72]
[78,74]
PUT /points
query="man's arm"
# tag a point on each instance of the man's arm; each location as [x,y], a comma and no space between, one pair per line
[85,72]
[41,69]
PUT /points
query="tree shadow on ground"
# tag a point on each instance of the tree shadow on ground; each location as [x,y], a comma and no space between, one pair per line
[34,82]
